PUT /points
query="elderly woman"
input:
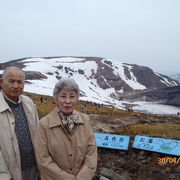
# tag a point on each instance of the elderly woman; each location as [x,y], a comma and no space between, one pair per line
[65,143]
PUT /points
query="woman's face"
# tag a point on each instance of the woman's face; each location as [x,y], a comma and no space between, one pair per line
[66,100]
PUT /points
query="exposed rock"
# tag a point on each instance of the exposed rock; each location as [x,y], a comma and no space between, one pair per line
[112,175]
[143,73]
[80,71]
[103,178]
[50,73]
[67,69]
[34,75]
[176,77]
[168,95]
[59,67]
[120,163]
[175,100]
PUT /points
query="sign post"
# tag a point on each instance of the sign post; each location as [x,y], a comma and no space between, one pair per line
[160,145]
[112,141]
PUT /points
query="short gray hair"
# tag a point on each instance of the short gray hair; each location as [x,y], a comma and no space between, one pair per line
[12,68]
[65,83]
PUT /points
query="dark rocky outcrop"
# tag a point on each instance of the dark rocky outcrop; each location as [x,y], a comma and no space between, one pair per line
[176,77]
[168,95]
[148,78]
[34,75]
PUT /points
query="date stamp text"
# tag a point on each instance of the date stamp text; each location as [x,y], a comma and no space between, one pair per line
[168,160]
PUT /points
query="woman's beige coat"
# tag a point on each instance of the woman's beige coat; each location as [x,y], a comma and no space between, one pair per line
[62,156]
[10,163]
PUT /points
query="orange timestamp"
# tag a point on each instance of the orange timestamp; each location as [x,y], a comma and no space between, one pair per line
[168,160]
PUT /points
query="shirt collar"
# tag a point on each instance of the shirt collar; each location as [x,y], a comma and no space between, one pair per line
[19,99]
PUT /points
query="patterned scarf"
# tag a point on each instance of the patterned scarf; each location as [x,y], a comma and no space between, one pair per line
[69,122]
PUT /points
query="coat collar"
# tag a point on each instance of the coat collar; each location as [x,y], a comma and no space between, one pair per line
[3,104]
[55,119]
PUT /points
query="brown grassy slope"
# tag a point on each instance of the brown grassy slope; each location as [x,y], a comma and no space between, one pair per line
[161,126]
[165,130]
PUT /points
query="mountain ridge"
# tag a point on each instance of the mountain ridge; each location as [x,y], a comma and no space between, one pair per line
[101,80]
[176,77]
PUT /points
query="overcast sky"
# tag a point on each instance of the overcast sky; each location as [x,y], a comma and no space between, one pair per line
[143,32]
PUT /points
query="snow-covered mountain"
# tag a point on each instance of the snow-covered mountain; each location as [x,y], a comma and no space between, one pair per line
[100,80]
[176,77]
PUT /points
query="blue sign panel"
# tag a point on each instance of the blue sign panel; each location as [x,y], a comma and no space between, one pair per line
[161,145]
[112,141]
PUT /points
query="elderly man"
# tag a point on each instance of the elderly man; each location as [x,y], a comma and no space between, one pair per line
[18,120]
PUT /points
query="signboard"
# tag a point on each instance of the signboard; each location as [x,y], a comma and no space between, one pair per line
[112,141]
[161,145]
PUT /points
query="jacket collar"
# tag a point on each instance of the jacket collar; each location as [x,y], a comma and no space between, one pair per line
[55,118]
[11,101]
[3,104]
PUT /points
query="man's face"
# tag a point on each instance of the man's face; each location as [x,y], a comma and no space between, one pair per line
[13,84]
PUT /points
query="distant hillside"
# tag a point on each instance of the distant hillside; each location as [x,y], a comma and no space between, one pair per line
[169,96]
[100,80]
[176,77]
